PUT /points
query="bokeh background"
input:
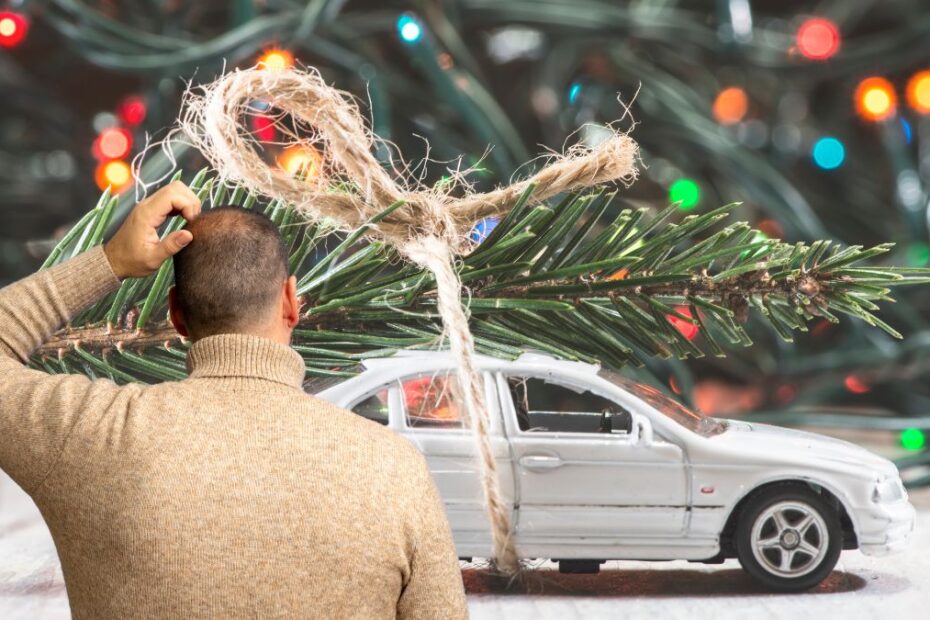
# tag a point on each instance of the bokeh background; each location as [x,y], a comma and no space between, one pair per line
[812,114]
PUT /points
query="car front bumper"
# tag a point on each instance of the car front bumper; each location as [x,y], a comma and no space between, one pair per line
[885,528]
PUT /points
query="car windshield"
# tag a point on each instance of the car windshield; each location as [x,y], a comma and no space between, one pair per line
[691,420]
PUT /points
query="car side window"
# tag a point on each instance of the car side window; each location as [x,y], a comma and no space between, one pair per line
[433,401]
[545,407]
[375,407]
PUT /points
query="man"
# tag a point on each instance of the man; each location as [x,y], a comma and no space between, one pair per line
[229,494]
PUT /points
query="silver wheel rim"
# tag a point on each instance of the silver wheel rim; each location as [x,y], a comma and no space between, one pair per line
[789,539]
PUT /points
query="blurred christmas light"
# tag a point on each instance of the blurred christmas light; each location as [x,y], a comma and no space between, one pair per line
[512,43]
[875,99]
[673,385]
[771,228]
[741,20]
[818,38]
[856,385]
[918,254]
[918,92]
[686,192]
[132,110]
[115,174]
[300,159]
[785,393]
[573,92]
[907,129]
[730,105]
[13,29]
[821,328]
[686,328]
[409,28]
[264,127]
[757,237]
[786,138]
[828,153]
[913,439]
[104,120]
[112,143]
[483,228]
[619,274]
[276,60]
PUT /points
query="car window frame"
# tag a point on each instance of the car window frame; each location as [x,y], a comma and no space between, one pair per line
[394,397]
[509,411]
[490,392]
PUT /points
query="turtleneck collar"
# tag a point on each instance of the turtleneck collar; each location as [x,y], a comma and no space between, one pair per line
[242,355]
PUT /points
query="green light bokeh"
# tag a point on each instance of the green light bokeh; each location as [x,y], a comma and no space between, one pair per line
[686,192]
[918,254]
[913,439]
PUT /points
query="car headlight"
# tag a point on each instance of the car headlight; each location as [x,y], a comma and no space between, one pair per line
[889,490]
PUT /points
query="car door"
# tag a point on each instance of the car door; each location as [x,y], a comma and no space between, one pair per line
[577,477]
[433,417]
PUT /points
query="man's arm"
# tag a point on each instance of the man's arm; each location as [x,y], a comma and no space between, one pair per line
[38,411]
[434,589]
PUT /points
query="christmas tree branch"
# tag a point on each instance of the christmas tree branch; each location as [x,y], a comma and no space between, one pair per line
[562,278]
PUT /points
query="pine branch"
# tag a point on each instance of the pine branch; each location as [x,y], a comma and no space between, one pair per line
[562,278]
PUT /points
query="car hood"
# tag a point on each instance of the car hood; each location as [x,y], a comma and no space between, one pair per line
[793,446]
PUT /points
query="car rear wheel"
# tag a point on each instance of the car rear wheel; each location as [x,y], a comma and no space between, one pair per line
[788,538]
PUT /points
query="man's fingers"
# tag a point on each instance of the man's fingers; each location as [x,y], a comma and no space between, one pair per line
[173,198]
[173,243]
[186,201]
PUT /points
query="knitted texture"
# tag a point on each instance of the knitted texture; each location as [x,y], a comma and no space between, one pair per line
[229,494]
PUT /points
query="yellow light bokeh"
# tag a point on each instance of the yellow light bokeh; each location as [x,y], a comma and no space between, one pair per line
[875,99]
[918,92]
[116,174]
[300,159]
[276,60]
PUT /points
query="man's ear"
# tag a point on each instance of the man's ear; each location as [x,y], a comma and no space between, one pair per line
[174,312]
[290,304]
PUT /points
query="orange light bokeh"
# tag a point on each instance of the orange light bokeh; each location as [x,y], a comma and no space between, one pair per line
[301,159]
[918,92]
[875,99]
[276,60]
[730,105]
[619,274]
[115,174]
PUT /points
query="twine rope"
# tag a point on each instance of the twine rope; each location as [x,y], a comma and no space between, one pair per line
[349,187]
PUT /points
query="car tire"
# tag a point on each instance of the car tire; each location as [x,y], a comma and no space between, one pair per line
[788,538]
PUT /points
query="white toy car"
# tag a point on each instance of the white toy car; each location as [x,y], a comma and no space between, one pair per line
[599,468]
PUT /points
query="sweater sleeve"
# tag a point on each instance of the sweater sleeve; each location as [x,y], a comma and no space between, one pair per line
[39,411]
[434,588]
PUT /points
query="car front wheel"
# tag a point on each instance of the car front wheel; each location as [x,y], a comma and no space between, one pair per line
[788,538]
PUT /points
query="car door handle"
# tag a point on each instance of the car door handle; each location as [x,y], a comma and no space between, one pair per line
[541,461]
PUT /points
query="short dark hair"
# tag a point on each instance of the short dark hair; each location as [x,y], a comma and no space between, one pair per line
[231,273]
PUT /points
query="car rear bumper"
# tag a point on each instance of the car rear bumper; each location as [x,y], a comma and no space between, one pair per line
[885,528]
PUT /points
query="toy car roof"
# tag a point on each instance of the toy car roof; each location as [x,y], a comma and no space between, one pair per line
[534,359]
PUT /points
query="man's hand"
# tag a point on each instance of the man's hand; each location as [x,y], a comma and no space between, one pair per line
[136,249]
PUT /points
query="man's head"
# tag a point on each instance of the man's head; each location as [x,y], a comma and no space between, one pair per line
[232,278]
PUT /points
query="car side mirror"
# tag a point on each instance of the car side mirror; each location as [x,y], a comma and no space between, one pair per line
[641,434]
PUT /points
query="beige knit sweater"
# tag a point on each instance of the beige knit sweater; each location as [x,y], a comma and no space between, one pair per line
[230,494]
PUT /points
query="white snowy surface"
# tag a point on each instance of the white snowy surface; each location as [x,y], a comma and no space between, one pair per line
[896,587]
